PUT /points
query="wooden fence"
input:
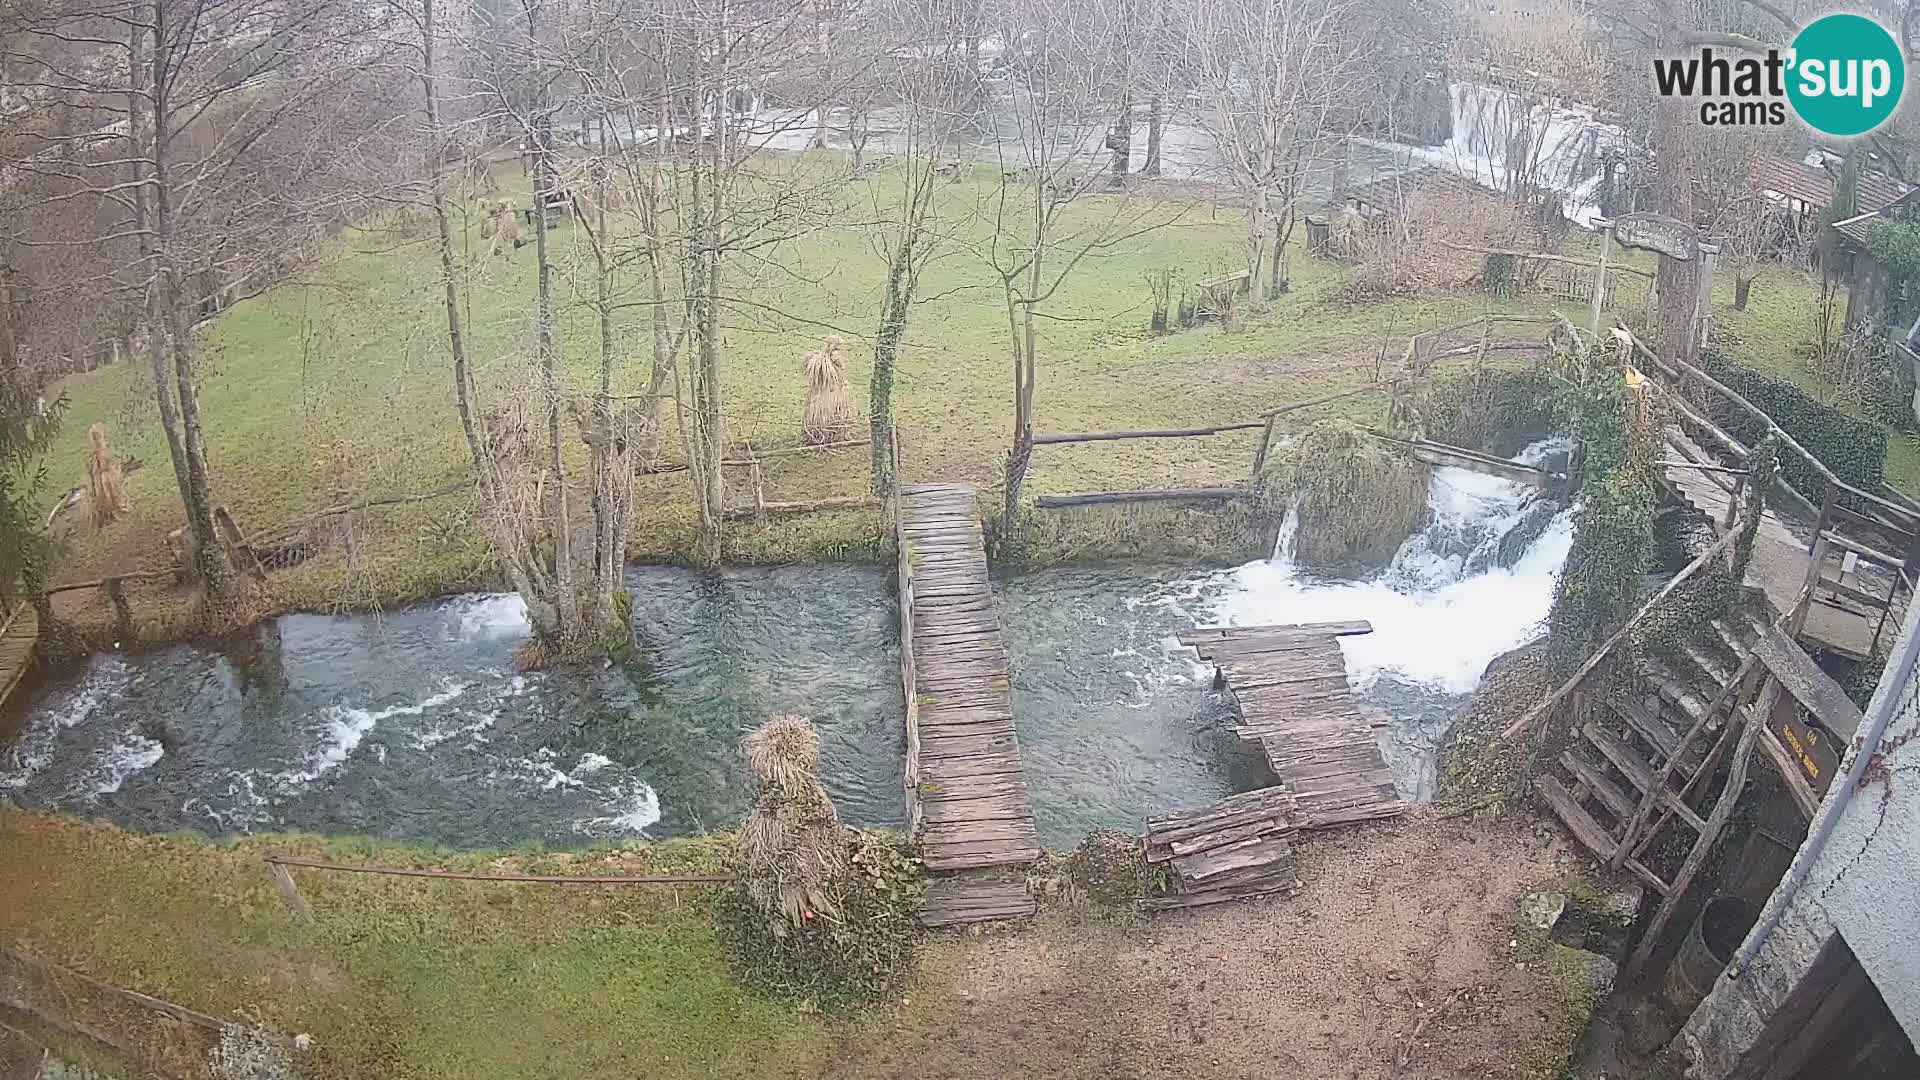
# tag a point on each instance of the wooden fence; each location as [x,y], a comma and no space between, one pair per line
[1848,520]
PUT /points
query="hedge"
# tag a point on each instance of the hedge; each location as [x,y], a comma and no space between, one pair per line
[1855,449]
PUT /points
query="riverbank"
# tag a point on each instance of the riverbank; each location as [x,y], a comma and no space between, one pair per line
[1393,961]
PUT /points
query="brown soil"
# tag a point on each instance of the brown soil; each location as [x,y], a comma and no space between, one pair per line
[1396,929]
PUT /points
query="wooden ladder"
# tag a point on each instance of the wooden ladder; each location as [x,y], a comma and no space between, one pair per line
[1652,771]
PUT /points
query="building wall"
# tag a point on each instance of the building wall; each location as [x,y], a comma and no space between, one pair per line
[1864,884]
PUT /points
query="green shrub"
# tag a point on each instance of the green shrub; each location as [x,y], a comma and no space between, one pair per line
[1498,410]
[837,962]
[1855,449]
[1360,497]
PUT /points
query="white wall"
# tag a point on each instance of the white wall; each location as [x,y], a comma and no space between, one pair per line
[1865,883]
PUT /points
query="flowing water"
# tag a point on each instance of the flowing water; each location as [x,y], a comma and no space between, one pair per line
[415,724]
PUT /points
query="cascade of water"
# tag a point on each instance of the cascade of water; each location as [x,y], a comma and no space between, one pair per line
[1476,581]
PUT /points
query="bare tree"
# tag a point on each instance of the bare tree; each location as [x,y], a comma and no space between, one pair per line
[213,106]
[1271,77]
[1048,213]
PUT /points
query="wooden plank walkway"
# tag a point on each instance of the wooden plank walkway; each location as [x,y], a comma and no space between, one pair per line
[1291,686]
[18,635]
[1780,560]
[967,797]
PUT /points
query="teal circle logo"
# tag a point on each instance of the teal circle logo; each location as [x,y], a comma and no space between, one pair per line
[1846,75]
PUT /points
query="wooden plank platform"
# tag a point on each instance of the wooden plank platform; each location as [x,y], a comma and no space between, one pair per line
[967,797]
[1780,561]
[970,896]
[1291,686]
[1236,849]
[18,635]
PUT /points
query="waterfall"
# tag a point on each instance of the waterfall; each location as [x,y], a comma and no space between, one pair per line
[1476,581]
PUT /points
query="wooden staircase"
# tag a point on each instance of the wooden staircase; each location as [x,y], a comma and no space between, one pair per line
[1647,757]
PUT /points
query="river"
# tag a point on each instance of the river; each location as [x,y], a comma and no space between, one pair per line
[415,725]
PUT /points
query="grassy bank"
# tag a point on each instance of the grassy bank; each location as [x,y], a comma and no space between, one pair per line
[338,386]
[398,977]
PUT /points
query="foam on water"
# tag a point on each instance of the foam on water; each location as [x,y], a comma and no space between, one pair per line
[346,726]
[1444,607]
[34,749]
[130,755]
[489,615]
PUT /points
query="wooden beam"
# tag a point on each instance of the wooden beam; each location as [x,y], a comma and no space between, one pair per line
[1170,433]
[1651,800]
[1619,635]
[1810,686]
[1090,498]
[1543,256]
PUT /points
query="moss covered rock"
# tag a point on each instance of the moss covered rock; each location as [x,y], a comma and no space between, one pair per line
[1359,497]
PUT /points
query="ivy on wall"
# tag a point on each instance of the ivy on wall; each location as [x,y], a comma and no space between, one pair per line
[1619,427]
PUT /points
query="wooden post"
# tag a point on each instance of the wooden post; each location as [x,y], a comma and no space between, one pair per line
[283,880]
[1816,562]
[238,553]
[122,613]
[1260,453]
[1733,502]
[1600,277]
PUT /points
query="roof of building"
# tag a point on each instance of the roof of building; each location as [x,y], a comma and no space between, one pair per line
[1391,192]
[1814,185]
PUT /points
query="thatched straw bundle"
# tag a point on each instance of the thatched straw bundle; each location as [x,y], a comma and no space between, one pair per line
[1359,497]
[830,413]
[106,483]
[793,851]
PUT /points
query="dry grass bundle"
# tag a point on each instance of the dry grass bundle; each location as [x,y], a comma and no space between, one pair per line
[793,851]
[106,483]
[1359,497]
[1409,256]
[830,414]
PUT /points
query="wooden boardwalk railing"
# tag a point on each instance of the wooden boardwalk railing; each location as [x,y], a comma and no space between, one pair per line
[18,635]
[967,797]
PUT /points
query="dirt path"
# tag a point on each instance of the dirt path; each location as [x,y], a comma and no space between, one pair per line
[1394,926]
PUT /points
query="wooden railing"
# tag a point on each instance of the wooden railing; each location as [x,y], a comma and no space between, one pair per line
[1883,528]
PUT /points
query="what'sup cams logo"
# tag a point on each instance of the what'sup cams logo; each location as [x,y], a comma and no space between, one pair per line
[1843,76]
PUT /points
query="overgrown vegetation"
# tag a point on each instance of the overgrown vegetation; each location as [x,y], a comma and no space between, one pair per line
[404,977]
[1855,449]
[1489,407]
[823,915]
[1613,413]
[1359,496]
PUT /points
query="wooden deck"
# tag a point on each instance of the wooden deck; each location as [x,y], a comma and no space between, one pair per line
[1291,686]
[18,634]
[967,795]
[1780,560]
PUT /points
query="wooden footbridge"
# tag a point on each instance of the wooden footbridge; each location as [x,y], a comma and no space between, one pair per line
[18,634]
[967,800]
[1291,686]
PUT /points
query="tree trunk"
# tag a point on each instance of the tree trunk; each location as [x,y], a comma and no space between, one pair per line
[214,574]
[1259,223]
[521,570]
[1742,286]
[886,353]
[1156,108]
[1676,281]
[1120,142]
[141,131]
[565,600]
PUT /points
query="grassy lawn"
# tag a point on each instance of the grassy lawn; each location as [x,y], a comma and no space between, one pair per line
[350,364]
[403,977]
